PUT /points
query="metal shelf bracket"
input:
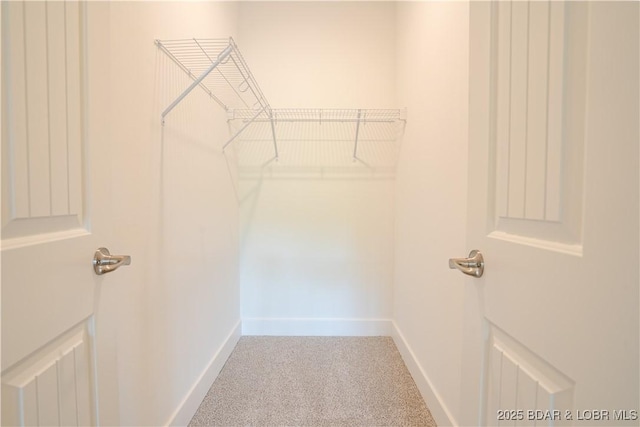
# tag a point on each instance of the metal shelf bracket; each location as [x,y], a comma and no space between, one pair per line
[355,145]
[225,53]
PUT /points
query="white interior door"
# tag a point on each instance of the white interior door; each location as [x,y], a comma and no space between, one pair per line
[55,210]
[552,326]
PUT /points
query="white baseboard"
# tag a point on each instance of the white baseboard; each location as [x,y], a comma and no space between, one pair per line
[190,404]
[316,327]
[432,398]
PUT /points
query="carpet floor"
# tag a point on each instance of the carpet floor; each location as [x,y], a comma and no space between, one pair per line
[314,381]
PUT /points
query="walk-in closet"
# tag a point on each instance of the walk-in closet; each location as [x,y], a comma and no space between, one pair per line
[320,213]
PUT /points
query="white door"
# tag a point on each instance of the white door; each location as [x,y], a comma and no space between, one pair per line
[56,332]
[552,326]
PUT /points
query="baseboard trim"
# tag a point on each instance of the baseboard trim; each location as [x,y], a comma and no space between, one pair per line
[316,327]
[190,404]
[432,398]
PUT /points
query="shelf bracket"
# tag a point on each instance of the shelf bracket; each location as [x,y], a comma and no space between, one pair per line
[273,133]
[223,55]
[355,146]
[243,128]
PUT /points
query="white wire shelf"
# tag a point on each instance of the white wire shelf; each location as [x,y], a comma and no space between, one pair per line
[320,115]
[320,137]
[218,68]
[364,136]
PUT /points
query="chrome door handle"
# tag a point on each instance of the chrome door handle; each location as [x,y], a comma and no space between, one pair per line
[104,262]
[473,266]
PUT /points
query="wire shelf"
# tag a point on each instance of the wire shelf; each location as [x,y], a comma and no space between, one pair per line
[320,115]
[217,66]
[320,137]
[332,137]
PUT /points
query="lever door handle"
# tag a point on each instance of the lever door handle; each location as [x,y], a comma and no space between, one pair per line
[104,262]
[473,266]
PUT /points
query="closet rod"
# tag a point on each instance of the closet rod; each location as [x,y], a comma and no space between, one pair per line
[223,55]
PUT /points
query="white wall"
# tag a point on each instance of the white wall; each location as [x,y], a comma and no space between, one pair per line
[431,196]
[174,210]
[321,54]
[318,247]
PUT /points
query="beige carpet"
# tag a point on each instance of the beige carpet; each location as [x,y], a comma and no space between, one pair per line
[314,381]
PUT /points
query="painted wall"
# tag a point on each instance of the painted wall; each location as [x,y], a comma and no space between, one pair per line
[317,248]
[432,76]
[321,54]
[175,210]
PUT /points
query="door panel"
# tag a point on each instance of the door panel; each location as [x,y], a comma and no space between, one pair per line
[52,386]
[538,118]
[43,175]
[55,154]
[41,233]
[553,205]
[523,382]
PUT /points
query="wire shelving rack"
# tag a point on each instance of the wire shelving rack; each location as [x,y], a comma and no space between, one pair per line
[217,67]
[322,137]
